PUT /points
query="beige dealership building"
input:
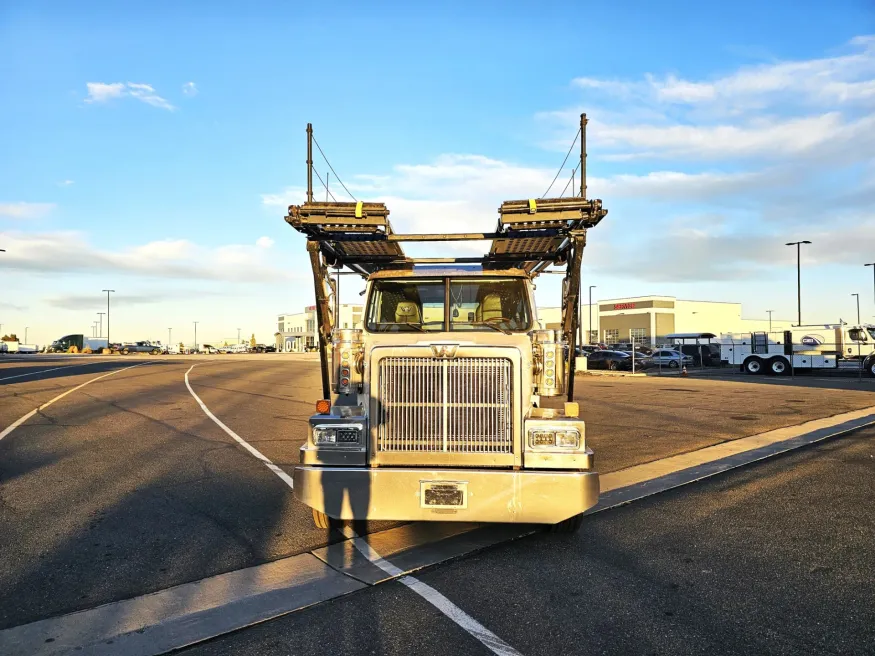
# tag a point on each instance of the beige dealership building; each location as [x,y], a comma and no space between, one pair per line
[648,319]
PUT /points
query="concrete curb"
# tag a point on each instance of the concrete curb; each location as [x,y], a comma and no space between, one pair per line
[193,612]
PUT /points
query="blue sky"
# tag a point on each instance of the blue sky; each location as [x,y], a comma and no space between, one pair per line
[153,149]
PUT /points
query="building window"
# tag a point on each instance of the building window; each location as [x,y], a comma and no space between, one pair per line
[638,335]
[612,335]
[593,336]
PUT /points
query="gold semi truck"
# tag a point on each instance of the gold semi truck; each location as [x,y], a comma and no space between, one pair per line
[447,404]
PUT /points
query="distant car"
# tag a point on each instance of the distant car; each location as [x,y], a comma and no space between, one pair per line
[612,360]
[669,358]
[142,347]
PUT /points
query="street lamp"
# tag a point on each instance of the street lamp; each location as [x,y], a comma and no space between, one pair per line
[195,336]
[169,337]
[100,314]
[858,308]
[770,319]
[589,337]
[25,334]
[798,245]
[872,264]
[238,335]
[108,292]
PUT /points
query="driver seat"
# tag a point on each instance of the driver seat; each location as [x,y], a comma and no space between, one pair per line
[407,312]
[490,308]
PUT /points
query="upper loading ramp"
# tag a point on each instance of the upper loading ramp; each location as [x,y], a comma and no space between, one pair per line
[530,235]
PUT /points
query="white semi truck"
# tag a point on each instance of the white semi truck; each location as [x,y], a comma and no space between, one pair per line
[823,346]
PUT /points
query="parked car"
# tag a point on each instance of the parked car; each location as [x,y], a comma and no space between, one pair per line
[155,348]
[613,361]
[669,358]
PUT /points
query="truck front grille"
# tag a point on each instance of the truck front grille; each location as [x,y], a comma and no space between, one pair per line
[460,405]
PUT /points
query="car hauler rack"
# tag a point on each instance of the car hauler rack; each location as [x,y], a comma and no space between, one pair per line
[432,410]
[531,234]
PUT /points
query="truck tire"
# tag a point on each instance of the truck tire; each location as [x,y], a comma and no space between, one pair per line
[125,351]
[779,366]
[869,366]
[567,526]
[753,366]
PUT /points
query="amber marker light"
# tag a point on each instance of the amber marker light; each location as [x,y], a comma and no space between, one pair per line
[323,406]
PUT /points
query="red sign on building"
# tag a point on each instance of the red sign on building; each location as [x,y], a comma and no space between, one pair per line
[624,306]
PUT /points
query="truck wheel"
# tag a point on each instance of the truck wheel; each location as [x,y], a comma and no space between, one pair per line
[779,366]
[870,366]
[568,526]
[753,366]
[125,351]
[321,520]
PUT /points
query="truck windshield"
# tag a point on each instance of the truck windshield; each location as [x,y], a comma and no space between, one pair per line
[481,304]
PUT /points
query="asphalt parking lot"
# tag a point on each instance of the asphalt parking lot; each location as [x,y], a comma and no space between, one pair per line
[771,559]
[124,486]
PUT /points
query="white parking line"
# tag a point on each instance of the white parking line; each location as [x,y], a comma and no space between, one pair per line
[45,405]
[246,445]
[432,596]
[491,641]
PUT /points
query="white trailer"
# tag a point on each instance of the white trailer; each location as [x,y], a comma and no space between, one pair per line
[825,346]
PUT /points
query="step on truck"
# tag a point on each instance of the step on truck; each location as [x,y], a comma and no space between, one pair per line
[802,348]
[447,405]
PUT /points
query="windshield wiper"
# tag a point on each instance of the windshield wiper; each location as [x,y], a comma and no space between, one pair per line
[418,326]
[492,325]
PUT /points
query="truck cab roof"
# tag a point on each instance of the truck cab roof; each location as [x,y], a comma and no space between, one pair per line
[457,270]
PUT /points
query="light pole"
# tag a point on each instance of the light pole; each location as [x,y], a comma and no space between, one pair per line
[858,308]
[238,335]
[100,314]
[770,319]
[195,336]
[589,337]
[169,337]
[108,292]
[25,334]
[798,245]
[872,264]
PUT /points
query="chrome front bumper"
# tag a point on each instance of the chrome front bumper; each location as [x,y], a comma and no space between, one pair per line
[528,497]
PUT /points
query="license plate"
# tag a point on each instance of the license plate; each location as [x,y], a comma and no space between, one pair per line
[443,494]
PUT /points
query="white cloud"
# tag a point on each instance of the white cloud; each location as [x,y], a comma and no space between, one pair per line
[264,242]
[766,137]
[189,89]
[23,210]
[99,92]
[65,183]
[70,252]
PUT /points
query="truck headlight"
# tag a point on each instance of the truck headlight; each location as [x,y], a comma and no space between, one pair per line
[337,435]
[562,438]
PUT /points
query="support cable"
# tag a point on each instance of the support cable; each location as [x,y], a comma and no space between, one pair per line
[333,171]
[324,185]
[570,180]
[556,177]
